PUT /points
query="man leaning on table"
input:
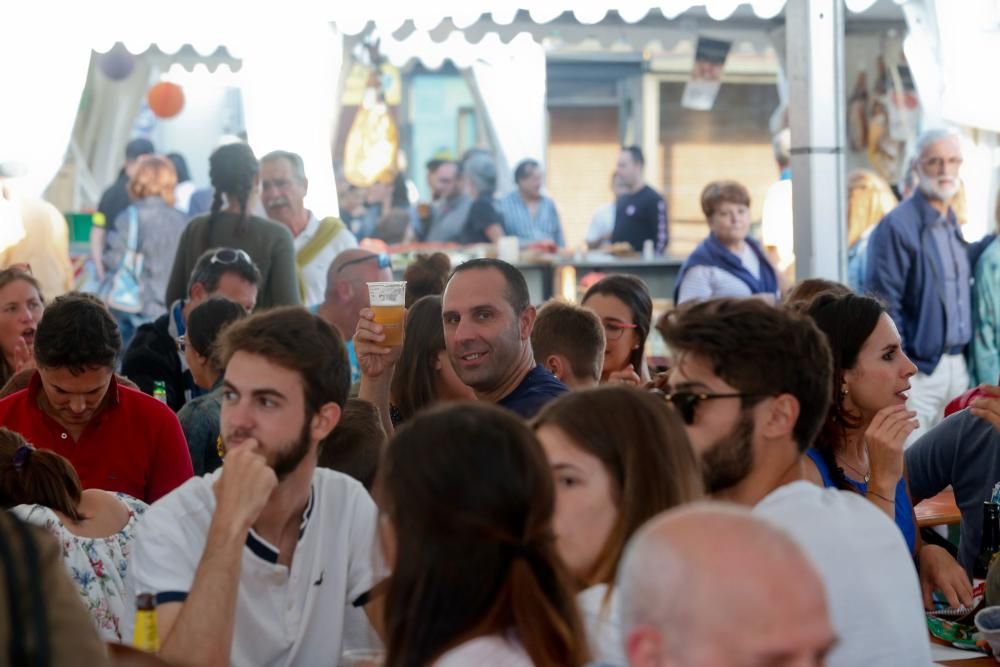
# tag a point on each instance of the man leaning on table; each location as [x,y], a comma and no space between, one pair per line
[963,451]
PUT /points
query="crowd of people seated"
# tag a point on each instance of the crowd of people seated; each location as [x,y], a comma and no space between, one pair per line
[511,485]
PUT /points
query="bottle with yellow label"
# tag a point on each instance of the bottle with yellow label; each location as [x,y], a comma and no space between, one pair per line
[146,636]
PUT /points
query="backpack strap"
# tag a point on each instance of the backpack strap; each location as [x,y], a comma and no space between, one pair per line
[328,230]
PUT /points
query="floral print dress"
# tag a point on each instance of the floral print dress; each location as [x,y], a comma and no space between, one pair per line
[98,566]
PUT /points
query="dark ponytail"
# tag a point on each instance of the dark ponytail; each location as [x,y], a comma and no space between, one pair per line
[37,476]
[232,170]
[847,321]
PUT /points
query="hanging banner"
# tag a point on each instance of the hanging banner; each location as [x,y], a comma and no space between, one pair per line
[706,77]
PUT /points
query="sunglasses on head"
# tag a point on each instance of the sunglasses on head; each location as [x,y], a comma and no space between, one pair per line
[230,256]
[384,261]
[686,402]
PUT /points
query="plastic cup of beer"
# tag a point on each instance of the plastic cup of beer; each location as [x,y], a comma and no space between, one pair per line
[387,302]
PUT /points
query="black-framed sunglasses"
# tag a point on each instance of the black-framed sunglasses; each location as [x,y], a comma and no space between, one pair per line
[230,256]
[686,402]
[384,261]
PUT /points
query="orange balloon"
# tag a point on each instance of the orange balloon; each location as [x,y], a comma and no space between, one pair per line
[165,99]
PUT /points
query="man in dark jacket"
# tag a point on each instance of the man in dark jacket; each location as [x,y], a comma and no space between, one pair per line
[920,265]
[156,352]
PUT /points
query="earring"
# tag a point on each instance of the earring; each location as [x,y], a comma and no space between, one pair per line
[220,448]
[843,390]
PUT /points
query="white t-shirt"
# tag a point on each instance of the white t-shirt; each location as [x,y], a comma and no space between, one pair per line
[284,616]
[492,650]
[314,273]
[602,225]
[603,623]
[711,282]
[871,583]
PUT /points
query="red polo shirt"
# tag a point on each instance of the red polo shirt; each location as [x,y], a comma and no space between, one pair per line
[135,445]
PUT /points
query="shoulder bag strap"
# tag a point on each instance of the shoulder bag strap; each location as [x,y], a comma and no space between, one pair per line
[328,229]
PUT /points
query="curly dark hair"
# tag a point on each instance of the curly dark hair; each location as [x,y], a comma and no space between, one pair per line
[232,170]
[77,333]
[759,350]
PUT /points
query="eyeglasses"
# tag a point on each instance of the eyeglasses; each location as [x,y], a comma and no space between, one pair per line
[686,402]
[613,330]
[230,256]
[937,162]
[181,343]
[384,261]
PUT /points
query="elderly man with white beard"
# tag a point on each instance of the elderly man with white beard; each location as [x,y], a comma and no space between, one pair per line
[920,265]
[283,188]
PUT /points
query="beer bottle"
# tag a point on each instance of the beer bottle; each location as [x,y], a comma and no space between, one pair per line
[160,391]
[146,637]
[990,543]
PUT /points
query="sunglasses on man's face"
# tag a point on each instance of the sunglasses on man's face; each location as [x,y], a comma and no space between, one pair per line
[686,402]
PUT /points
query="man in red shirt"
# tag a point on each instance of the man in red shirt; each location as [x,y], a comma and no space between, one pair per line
[118,439]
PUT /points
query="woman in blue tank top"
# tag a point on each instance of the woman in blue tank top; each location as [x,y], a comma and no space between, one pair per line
[860,447]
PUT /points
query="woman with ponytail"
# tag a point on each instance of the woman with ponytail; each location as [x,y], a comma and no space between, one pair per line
[233,169]
[94,528]
[467,502]
[860,447]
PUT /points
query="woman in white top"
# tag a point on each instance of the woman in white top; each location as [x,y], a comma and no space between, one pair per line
[728,263]
[466,526]
[94,528]
[619,456]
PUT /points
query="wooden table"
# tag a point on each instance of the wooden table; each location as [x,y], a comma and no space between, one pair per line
[940,510]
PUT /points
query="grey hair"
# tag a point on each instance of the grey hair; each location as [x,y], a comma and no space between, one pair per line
[930,137]
[294,159]
[482,172]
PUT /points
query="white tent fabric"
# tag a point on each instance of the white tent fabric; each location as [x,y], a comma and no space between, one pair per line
[44,70]
[509,83]
[282,112]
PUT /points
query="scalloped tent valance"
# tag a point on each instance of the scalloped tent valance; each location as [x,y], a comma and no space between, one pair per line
[206,26]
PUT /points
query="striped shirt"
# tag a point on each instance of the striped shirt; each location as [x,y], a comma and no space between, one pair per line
[517,220]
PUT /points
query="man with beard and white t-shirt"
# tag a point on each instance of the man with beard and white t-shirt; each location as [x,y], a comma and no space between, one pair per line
[921,267]
[260,562]
[752,383]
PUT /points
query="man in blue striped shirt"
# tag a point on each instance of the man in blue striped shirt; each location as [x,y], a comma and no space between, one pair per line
[527,213]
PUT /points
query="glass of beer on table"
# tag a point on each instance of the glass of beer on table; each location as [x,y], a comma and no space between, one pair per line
[387,301]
